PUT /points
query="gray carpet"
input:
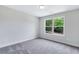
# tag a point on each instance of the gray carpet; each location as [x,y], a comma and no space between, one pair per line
[39,46]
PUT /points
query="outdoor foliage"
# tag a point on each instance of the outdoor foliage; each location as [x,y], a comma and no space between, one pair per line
[59,22]
[58,30]
[48,22]
[48,28]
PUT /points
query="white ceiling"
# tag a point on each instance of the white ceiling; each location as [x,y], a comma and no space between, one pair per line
[49,9]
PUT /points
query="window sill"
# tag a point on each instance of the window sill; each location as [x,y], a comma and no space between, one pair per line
[55,34]
[58,34]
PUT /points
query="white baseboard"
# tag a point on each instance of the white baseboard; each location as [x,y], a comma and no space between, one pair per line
[20,41]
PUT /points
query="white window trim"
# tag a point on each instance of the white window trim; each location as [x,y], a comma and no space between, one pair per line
[53,33]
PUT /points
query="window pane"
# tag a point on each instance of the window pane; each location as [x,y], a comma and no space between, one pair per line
[48,29]
[58,30]
[59,22]
[48,22]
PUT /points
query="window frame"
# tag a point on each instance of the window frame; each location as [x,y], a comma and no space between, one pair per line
[53,33]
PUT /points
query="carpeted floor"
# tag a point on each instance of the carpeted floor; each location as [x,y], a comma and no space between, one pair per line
[39,46]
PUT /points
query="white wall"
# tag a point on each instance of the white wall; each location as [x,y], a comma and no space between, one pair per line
[71,28]
[16,26]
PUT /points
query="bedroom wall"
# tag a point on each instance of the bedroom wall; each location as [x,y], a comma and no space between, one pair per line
[71,28]
[16,26]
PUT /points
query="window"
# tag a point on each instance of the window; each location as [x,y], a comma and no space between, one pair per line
[55,25]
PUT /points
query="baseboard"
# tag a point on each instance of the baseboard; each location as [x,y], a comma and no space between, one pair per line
[61,43]
[13,43]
